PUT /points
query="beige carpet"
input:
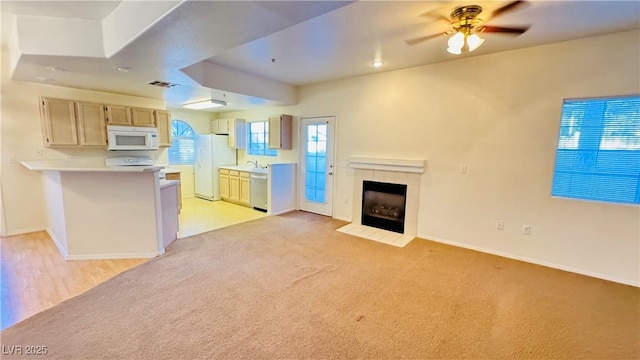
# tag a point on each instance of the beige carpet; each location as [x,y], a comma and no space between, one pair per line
[292,287]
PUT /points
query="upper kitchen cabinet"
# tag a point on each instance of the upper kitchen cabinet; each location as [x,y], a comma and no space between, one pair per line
[92,130]
[237,133]
[118,115]
[235,128]
[220,127]
[142,117]
[58,122]
[280,127]
[163,123]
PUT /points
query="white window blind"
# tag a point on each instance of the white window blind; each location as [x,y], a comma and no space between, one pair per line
[598,154]
[183,144]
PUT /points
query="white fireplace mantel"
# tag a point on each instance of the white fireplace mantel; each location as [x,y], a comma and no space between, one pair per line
[400,165]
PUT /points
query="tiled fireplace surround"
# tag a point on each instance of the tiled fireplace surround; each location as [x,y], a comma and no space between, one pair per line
[395,171]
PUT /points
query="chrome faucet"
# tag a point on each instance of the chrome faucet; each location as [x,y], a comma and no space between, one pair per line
[254,163]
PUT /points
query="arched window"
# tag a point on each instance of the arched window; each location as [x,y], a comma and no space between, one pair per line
[183,146]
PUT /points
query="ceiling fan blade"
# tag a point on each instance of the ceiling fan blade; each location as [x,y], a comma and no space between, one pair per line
[504,30]
[423,38]
[435,15]
[507,8]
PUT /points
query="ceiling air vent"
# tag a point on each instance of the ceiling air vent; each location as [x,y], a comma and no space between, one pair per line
[163,84]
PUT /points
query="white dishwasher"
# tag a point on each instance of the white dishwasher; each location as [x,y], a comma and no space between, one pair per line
[258,193]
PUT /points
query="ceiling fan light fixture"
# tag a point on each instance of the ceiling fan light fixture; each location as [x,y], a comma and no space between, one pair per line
[456,41]
[454,51]
[474,41]
[205,104]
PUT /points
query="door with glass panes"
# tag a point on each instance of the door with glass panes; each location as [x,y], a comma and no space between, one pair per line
[316,165]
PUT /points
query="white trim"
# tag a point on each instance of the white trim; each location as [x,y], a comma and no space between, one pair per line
[342,218]
[401,165]
[533,261]
[114,256]
[25,231]
[281,211]
[58,245]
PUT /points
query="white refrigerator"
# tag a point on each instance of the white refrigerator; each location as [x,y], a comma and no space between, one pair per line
[211,151]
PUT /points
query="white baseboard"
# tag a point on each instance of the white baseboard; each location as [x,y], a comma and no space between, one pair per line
[114,256]
[281,211]
[25,231]
[62,250]
[342,218]
[533,261]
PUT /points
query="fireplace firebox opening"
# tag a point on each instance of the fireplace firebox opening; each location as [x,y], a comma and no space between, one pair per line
[383,205]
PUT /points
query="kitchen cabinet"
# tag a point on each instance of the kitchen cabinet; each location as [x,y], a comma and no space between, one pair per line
[237,133]
[220,127]
[234,185]
[280,132]
[92,130]
[245,188]
[235,128]
[58,118]
[118,115]
[224,184]
[143,117]
[176,176]
[163,123]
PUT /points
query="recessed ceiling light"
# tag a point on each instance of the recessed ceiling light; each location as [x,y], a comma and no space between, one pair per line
[53,68]
[123,68]
[377,63]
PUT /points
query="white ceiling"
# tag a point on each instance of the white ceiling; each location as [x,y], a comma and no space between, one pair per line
[252,53]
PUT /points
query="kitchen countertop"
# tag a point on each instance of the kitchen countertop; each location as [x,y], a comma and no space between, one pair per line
[170,171]
[57,165]
[244,168]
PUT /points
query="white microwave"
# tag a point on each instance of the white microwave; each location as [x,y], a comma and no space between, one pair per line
[132,138]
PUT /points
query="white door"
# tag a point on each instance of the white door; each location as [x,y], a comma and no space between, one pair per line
[316,165]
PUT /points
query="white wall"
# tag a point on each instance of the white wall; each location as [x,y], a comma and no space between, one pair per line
[200,121]
[499,115]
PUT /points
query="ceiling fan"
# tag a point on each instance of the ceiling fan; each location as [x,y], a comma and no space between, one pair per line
[466,25]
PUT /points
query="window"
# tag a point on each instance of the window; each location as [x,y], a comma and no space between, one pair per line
[598,155]
[183,148]
[259,139]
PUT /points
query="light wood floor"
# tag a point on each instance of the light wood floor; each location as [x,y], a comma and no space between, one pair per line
[34,276]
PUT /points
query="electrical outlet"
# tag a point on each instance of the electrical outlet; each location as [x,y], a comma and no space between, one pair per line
[13,159]
[500,225]
[463,169]
[526,229]
[69,158]
[39,152]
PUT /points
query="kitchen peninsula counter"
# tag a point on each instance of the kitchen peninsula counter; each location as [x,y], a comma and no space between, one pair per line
[100,212]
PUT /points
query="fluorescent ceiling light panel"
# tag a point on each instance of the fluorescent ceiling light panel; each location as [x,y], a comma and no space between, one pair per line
[205,104]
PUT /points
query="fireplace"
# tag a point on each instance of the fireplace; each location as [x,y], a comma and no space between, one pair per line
[383,205]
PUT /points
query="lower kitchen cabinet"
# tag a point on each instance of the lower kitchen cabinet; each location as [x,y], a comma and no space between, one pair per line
[235,186]
[245,188]
[224,184]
